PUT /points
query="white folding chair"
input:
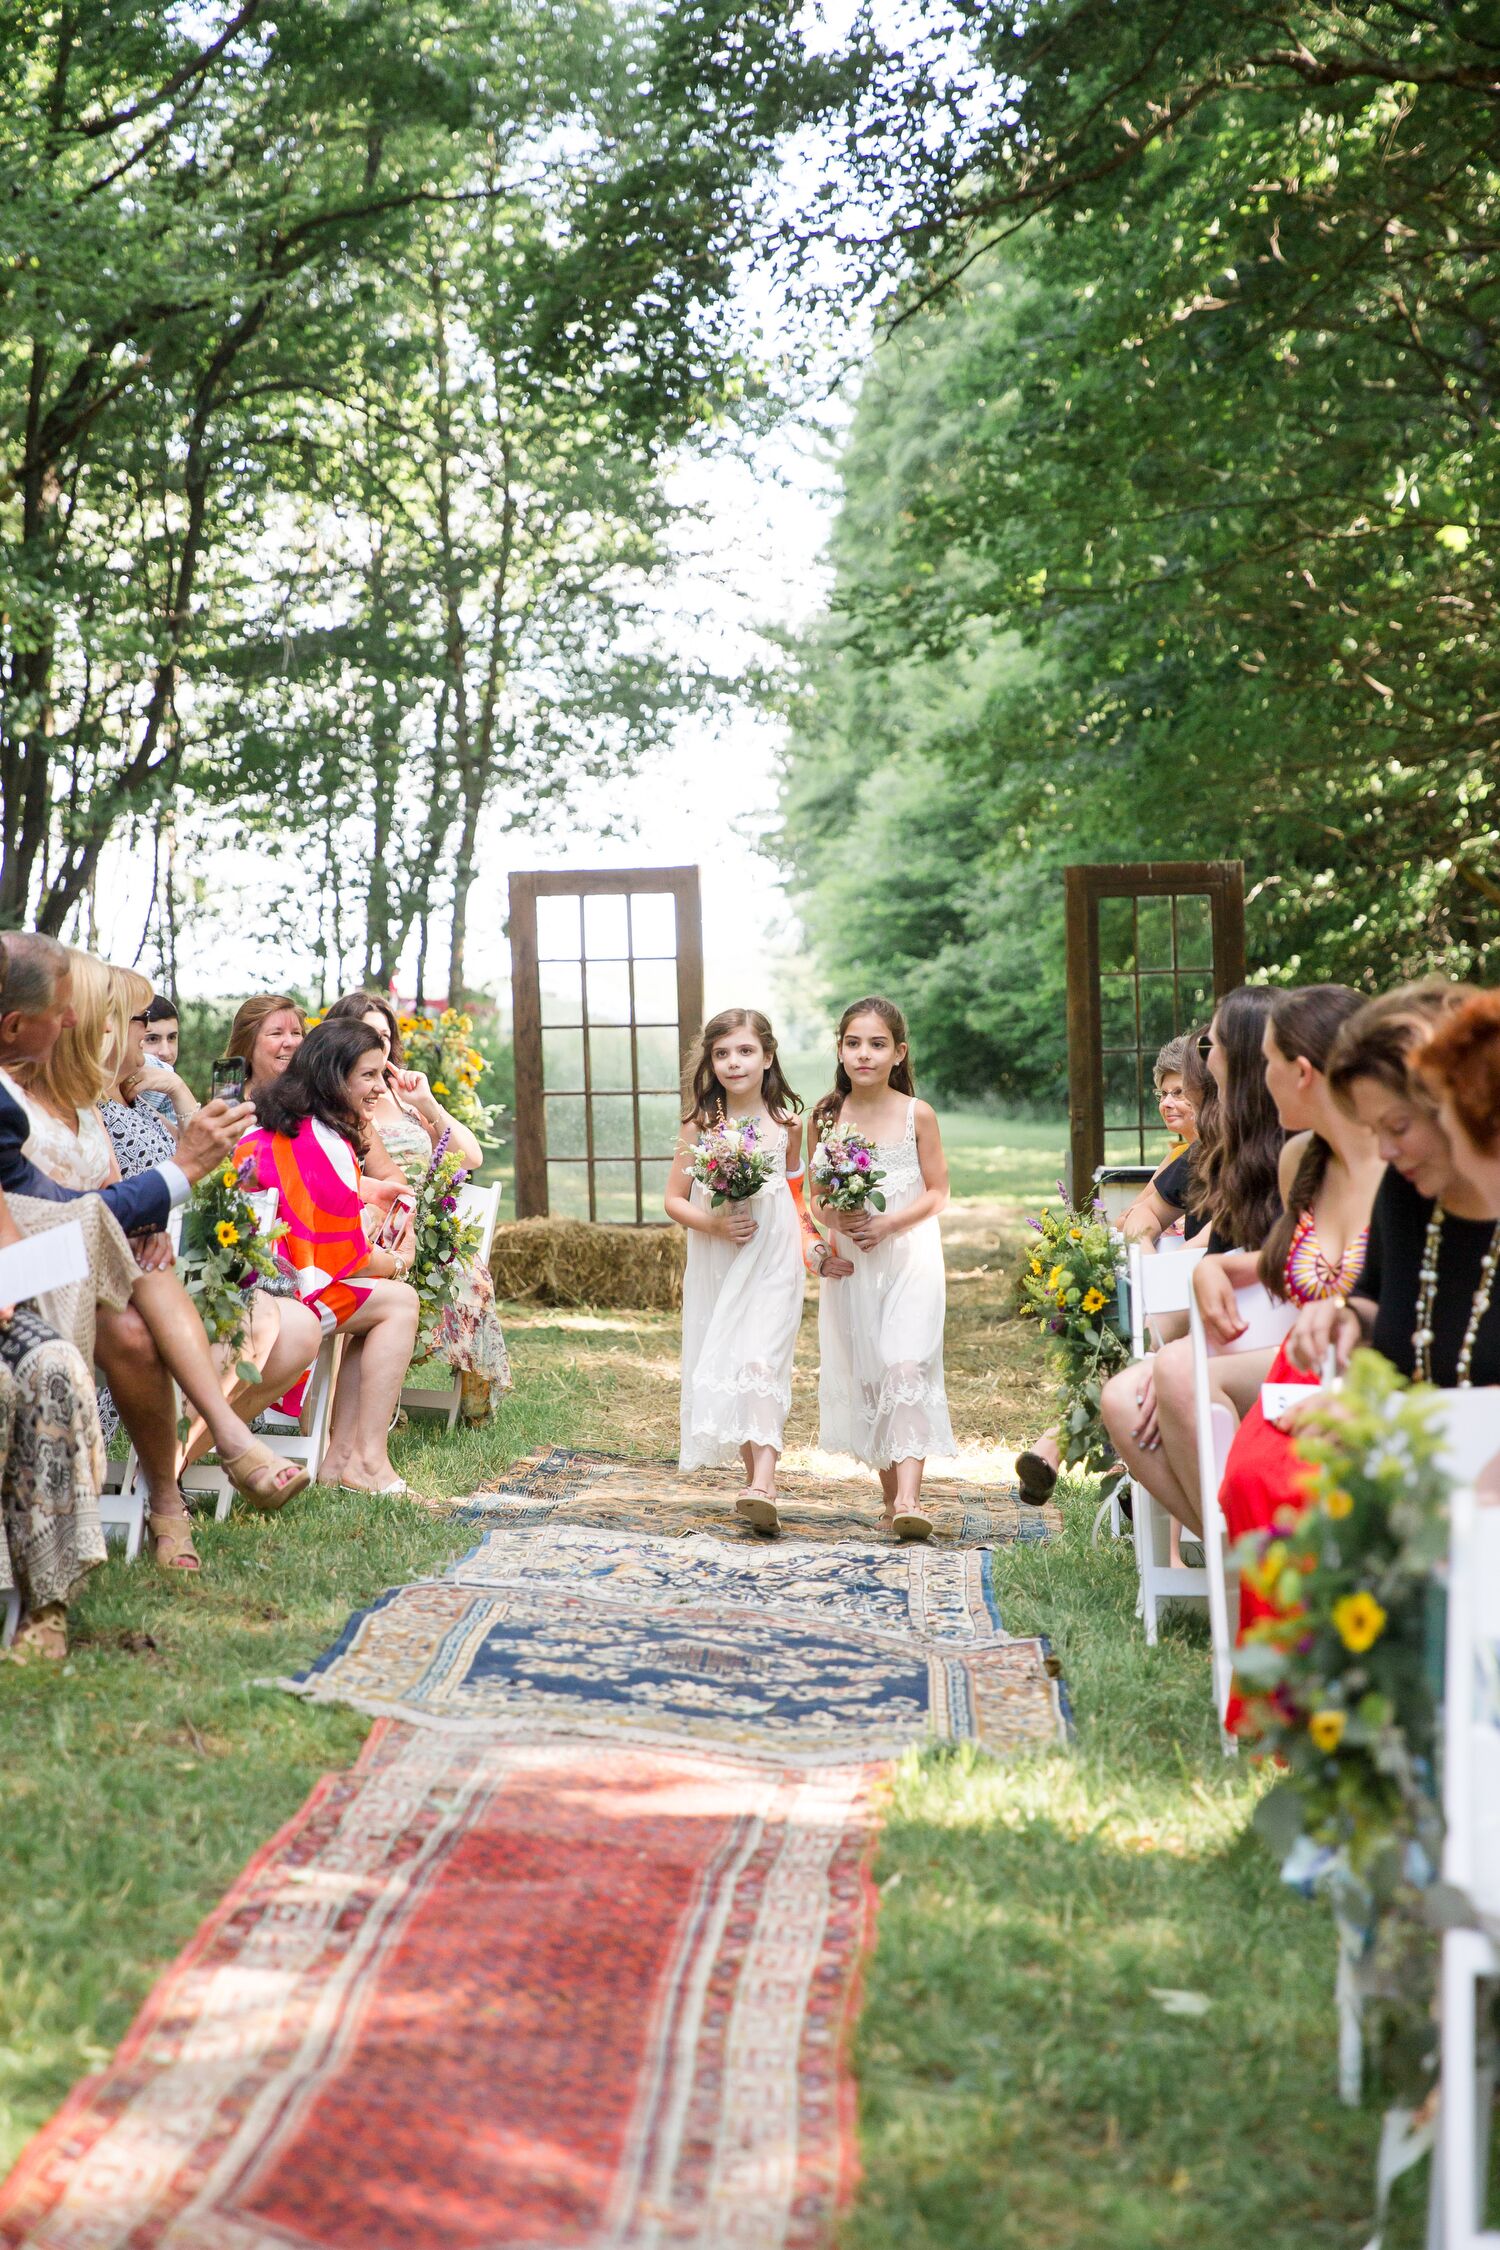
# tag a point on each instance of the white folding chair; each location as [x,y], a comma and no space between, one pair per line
[11,1618]
[1158,1286]
[1267,1320]
[1471,1813]
[482,1206]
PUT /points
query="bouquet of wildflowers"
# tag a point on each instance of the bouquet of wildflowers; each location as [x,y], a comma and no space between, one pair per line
[446,1243]
[845,1174]
[443,1046]
[728,1161]
[1070,1287]
[224,1250]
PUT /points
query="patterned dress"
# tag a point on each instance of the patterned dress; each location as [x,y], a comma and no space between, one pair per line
[468,1337]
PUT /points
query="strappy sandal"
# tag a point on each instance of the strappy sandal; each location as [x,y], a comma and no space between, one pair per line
[758,1509]
[259,1476]
[43,1639]
[172,1541]
[911,1524]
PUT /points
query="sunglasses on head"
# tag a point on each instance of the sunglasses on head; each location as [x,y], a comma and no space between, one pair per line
[1205,1044]
[146,1020]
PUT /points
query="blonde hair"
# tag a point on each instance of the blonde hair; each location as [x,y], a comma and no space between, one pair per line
[80,1070]
[130,994]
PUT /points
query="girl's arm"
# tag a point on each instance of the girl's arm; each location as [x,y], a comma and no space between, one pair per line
[678,1201]
[869,1227]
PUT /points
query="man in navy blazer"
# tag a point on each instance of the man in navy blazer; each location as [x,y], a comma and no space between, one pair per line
[35,1008]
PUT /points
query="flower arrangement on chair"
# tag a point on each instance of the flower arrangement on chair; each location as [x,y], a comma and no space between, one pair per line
[443,1047]
[446,1243]
[1069,1286]
[224,1248]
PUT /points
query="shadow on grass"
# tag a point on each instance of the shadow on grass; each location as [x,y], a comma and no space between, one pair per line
[1023,2081]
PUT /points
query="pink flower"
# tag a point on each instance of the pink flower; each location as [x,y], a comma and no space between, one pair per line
[861,1160]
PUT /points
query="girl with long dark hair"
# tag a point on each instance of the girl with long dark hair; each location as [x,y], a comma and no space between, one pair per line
[742,1290]
[881,1391]
[312,1138]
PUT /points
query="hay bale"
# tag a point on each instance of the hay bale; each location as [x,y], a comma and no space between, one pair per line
[574,1262]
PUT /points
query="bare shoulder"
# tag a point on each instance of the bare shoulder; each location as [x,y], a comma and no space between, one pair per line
[793,1137]
[927,1119]
[1292,1153]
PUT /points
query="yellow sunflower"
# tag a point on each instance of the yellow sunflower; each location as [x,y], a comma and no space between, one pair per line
[1338,1503]
[1359,1621]
[228,1235]
[1327,1728]
[1094,1301]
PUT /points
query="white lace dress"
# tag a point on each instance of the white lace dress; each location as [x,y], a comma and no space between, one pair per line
[880,1332]
[741,1309]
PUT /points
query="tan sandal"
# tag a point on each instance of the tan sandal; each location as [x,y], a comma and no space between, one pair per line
[758,1509]
[911,1524]
[172,1541]
[260,1476]
[42,1639]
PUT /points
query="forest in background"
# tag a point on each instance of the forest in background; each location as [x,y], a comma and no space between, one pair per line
[1169,522]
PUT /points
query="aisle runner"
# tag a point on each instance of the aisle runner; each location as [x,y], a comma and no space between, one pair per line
[570,1963]
[558,1484]
[476,1996]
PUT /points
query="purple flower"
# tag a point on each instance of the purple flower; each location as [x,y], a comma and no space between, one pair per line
[450,1202]
[1035,1225]
[1305,1645]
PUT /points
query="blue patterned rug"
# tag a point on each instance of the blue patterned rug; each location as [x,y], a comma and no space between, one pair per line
[940,1593]
[531,1663]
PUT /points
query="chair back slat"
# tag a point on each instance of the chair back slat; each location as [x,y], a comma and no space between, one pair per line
[1470,1423]
[1471,1732]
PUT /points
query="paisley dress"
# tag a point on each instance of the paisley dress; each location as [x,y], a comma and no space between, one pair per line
[880,1332]
[741,1310]
[468,1337]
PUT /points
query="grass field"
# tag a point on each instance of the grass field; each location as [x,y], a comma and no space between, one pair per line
[1022,2087]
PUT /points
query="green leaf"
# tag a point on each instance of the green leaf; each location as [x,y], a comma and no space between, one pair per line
[1278,1818]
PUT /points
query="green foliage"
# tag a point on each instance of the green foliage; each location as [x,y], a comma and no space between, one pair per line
[446,1246]
[223,1248]
[1069,1287]
[1168,522]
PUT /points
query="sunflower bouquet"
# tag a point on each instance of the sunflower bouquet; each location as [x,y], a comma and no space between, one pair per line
[443,1046]
[1070,1286]
[1338,1676]
[225,1250]
[729,1162]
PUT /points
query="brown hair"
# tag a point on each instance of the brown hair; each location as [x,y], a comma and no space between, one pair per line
[704,1098]
[1239,1133]
[245,1030]
[1305,1022]
[358,1005]
[1461,1058]
[315,1084]
[1378,1043]
[901,1077]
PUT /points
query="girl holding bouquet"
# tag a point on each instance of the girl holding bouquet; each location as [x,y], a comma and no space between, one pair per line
[742,1293]
[880,1332]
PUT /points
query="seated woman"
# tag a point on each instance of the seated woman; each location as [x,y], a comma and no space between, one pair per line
[281,1335]
[1148,1408]
[408,1124]
[266,1033]
[1162,1207]
[313,1136]
[68,1140]
[1412,1066]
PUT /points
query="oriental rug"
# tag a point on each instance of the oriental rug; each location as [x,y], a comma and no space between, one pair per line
[943,1593]
[559,1484]
[528,1662]
[480,1995]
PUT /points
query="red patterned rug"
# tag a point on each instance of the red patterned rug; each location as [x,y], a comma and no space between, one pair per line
[478,1995]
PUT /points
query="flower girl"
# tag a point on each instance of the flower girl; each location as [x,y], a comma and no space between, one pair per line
[879,1178]
[742,1293]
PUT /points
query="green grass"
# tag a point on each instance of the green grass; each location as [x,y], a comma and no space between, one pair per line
[1020,2087]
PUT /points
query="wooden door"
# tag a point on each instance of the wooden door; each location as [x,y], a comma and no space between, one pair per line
[607,985]
[1151,947]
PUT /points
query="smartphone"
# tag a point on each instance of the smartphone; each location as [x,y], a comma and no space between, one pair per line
[229,1079]
[396,1221]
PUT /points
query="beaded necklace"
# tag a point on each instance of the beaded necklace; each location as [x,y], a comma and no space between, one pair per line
[1421,1340]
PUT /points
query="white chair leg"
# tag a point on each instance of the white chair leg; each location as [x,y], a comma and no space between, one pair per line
[11,1618]
[455,1402]
[1457,2118]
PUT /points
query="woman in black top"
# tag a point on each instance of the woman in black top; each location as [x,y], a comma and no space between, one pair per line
[1434,1192]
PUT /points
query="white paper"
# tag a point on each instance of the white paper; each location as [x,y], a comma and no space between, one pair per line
[1278,1400]
[42,1261]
